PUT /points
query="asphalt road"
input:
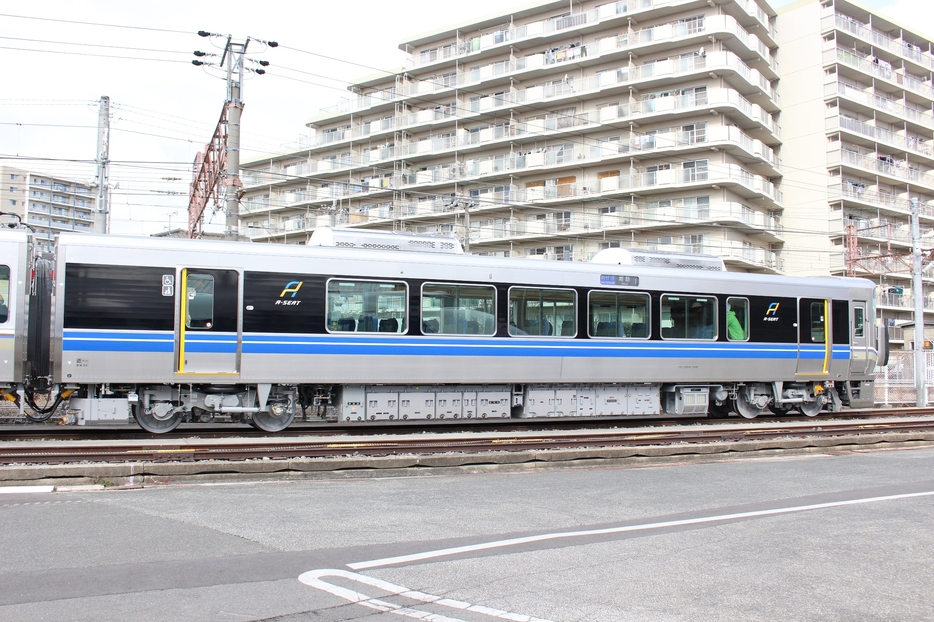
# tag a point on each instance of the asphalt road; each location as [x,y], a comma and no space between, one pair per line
[836,537]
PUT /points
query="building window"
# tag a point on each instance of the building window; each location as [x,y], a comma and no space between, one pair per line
[695,170]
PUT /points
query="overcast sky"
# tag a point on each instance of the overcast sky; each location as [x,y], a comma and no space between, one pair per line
[163,111]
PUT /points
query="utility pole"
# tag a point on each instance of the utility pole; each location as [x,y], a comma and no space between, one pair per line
[916,286]
[233,54]
[103,167]
[218,166]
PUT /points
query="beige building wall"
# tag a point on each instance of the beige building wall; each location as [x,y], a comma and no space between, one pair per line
[858,123]
[808,248]
[552,133]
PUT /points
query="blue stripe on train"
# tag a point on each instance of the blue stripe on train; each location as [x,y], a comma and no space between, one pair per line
[119,341]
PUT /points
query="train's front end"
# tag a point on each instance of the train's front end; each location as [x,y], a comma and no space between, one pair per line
[15,279]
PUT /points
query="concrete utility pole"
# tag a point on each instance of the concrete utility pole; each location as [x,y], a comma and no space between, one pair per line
[233,54]
[102,224]
[916,286]
[218,166]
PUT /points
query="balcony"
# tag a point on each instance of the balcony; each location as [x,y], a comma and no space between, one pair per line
[862,63]
[885,200]
[710,100]
[904,302]
[882,135]
[591,224]
[882,230]
[614,11]
[879,39]
[756,185]
[882,164]
[899,109]
[543,61]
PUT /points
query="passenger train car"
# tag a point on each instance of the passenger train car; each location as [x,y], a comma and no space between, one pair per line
[369,326]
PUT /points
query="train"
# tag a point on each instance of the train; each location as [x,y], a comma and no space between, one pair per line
[368,326]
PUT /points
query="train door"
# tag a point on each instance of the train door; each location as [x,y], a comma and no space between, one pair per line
[814,342]
[208,335]
[859,338]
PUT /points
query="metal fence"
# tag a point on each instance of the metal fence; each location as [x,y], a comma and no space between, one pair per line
[895,383]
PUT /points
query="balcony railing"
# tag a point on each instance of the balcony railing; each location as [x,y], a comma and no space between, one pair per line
[880,134]
[882,40]
[713,60]
[880,102]
[687,103]
[886,165]
[880,199]
[647,180]
[862,63]
[606,12]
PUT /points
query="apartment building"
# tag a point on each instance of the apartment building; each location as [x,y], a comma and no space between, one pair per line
[857,136]
[553,131]
[47,203]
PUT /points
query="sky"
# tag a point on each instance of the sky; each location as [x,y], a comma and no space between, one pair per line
[164,109]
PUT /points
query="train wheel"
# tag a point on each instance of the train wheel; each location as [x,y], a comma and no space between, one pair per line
[270,422]
[748,410]
[162,418]
[812,409]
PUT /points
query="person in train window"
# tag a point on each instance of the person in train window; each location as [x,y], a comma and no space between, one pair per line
[678,325]
[734,327]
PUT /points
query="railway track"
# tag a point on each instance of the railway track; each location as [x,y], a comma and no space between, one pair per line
[50,431]
[163,449]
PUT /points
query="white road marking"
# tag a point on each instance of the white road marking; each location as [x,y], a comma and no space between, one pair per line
[312,578]
[402,559]
[8,490]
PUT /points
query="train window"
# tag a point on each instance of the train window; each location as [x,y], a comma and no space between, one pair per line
[4,293]
[458,309]
[622,314]
[200,307]
[737,319]
[817,322]
[546,312]
[367,306]
[689,317]
[858,322]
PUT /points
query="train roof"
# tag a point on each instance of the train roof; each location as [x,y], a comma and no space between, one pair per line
[382,257]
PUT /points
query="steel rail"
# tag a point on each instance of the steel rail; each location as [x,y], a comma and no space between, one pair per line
[41,432]
[59,452]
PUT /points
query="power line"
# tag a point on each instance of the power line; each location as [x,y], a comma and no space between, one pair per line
[96,45]
[160,60]
[69,21]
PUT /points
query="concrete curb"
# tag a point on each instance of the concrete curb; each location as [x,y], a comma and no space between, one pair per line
[135,474]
